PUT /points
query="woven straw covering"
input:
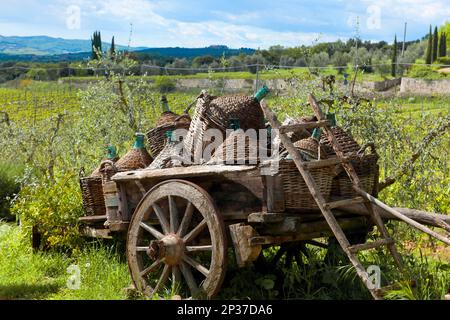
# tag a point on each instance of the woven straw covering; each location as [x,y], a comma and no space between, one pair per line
[238,148]
[296,192]
[193,142]
[310,147]
[217,112]
[156,138]
[167,157]
[166,118]
[345,140]
[134,159]
[366,168]
[92,193]
[222,109]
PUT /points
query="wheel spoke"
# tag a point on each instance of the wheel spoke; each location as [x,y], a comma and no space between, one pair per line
[176,278]
[163,278]
[173,211]
[152,267]
[195,232]
[162,218]
[187,274]
[196,265]
[198,248]
[186,219]
[158,235]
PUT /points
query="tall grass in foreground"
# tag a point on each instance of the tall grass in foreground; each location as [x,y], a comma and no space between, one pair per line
[25,274]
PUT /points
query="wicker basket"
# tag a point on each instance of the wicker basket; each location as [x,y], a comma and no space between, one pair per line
[193,142]
[92,194]
[296,192]
[345,140]
[366,168]
[156,138]
[238,148]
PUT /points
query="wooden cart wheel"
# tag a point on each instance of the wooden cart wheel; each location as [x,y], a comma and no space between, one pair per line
[176,242]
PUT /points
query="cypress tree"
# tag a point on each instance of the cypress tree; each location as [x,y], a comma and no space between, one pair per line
[435,44]
[112,51]
[442,45]
[429,48]
[394,58]
[96,41]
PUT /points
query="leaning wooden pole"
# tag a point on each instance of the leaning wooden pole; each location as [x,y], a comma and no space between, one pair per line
[427,218]
[402,217]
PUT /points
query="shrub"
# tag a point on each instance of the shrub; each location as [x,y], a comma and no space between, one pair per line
[424,72]
[444,60]
[53,206]
[9,187]
[164,84]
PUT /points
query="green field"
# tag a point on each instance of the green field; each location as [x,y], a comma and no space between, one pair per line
[51,151]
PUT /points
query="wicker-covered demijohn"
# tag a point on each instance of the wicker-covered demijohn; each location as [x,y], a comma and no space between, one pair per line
[136,158]
[168,121]
[218,112]
[238,148]
[344,139]
[311,149]
[156,137]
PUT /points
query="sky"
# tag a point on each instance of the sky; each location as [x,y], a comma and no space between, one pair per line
[244,23]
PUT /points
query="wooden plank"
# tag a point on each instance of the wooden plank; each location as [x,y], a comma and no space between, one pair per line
[245,253]
[265,217]
[96,233]
[275,194]
[118,226]
[314,164]
[370,245]
[344,202]
[303,126]
[123,211]
[293,224]
[93,218]
[180,172]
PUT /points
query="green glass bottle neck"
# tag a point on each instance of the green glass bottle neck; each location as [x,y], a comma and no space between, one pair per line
[261,94]
[139,142]
[111,152]
[164,104]
[317,132]
[331,117]
[235,124]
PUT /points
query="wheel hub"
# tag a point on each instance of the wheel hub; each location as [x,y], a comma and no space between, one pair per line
[170,248]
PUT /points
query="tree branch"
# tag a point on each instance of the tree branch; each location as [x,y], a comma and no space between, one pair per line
[406,166]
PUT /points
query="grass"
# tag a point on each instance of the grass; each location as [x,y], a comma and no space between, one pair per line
[265,74]
[25,274]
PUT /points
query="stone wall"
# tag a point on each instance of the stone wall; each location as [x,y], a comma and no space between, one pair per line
[424,87]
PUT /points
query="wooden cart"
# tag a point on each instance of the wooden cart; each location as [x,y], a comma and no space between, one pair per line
[180,222]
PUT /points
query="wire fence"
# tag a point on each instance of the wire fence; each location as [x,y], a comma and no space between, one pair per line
[224,68]
[44,101]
